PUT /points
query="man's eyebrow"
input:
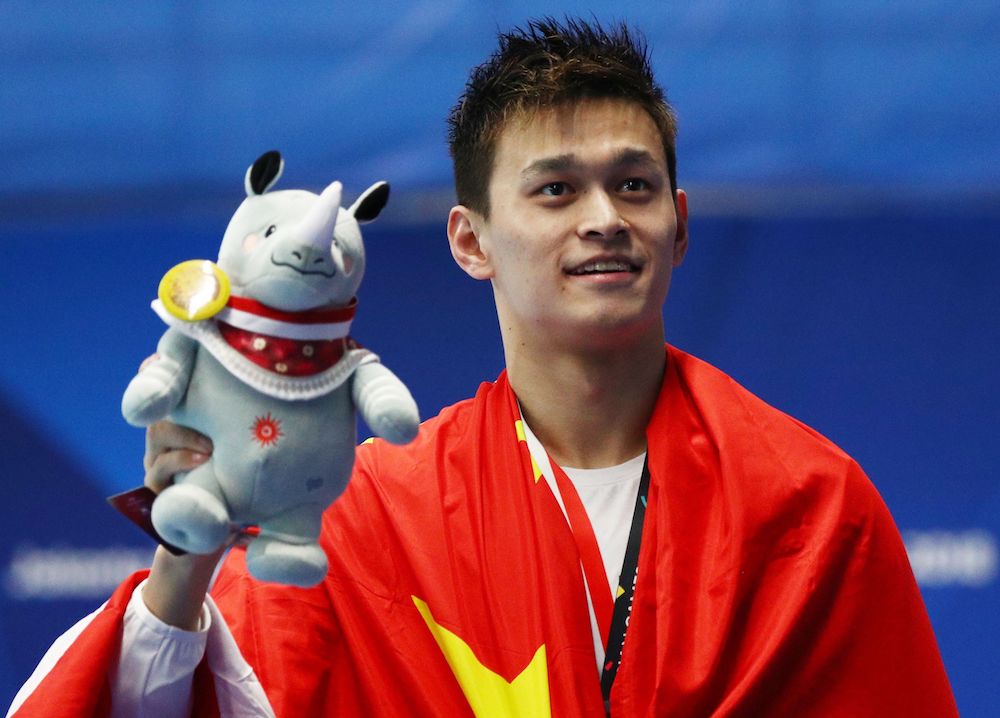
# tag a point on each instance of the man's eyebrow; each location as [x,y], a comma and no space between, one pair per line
[629,156]
[558,163]
[635,156]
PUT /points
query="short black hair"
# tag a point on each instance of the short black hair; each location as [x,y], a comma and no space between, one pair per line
[545,64]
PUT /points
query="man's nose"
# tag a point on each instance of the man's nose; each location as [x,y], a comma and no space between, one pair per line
[601,218]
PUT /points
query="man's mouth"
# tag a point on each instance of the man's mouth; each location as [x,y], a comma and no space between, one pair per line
[604,267]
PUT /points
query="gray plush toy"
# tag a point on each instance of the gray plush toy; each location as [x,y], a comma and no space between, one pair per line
[258,358]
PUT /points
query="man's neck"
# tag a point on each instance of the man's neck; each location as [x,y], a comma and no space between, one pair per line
[589,409]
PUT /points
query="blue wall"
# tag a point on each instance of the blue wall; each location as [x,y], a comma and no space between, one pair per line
[845,197]
[112,96]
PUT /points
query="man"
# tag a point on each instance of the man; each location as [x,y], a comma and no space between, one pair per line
[612,526]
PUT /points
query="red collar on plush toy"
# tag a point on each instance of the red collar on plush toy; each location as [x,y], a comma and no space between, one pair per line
[289,343]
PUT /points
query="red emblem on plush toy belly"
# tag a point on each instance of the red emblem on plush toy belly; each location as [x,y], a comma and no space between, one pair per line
[266,430]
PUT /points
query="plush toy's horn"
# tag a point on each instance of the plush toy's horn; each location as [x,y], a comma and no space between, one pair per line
[317,226]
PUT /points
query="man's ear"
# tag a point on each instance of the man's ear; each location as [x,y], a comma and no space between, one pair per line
[464,227]
[681,242]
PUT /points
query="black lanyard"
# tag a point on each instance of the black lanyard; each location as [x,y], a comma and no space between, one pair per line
[626,581]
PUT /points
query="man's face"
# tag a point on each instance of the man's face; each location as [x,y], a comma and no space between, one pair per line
[583,233]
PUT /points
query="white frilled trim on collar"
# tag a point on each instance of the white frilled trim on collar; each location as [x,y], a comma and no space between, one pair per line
[287,388]
[320,325]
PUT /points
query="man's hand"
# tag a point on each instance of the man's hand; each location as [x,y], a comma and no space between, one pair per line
[172,449]
[177,584]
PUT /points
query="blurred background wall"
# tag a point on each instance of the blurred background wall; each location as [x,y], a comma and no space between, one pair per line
[841,160]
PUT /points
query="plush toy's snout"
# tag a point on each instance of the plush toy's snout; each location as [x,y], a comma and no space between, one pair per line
[307,247]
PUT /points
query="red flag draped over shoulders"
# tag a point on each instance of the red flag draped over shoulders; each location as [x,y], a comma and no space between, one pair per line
[771,580]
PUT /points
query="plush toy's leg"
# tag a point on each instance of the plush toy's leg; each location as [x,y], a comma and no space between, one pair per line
[286,550]
[192,515]
[385,403]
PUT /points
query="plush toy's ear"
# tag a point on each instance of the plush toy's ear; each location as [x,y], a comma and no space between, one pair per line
[263,173]
[371,202]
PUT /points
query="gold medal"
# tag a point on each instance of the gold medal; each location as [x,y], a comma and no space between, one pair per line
[194,290]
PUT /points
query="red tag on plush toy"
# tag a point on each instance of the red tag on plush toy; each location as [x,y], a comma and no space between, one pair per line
[136,505]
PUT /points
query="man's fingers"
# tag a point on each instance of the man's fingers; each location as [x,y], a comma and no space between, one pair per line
[171,449]
[164,436]
[160,473]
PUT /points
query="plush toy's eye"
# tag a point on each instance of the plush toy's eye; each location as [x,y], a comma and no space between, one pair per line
[270,231]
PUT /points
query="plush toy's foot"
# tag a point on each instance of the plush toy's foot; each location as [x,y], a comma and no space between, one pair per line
[190,518]
[269,559]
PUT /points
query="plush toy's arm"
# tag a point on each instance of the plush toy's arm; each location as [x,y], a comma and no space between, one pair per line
[159,387]
[385,403]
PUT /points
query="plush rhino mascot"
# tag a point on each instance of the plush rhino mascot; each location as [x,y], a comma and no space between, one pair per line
[257,356]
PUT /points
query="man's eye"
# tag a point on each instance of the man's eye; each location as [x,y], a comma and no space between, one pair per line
[554,189]
[634,184]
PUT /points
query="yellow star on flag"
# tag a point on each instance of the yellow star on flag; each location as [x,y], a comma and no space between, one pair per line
[488,693]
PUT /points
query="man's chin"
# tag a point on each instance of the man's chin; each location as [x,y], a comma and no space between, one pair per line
[609,330]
